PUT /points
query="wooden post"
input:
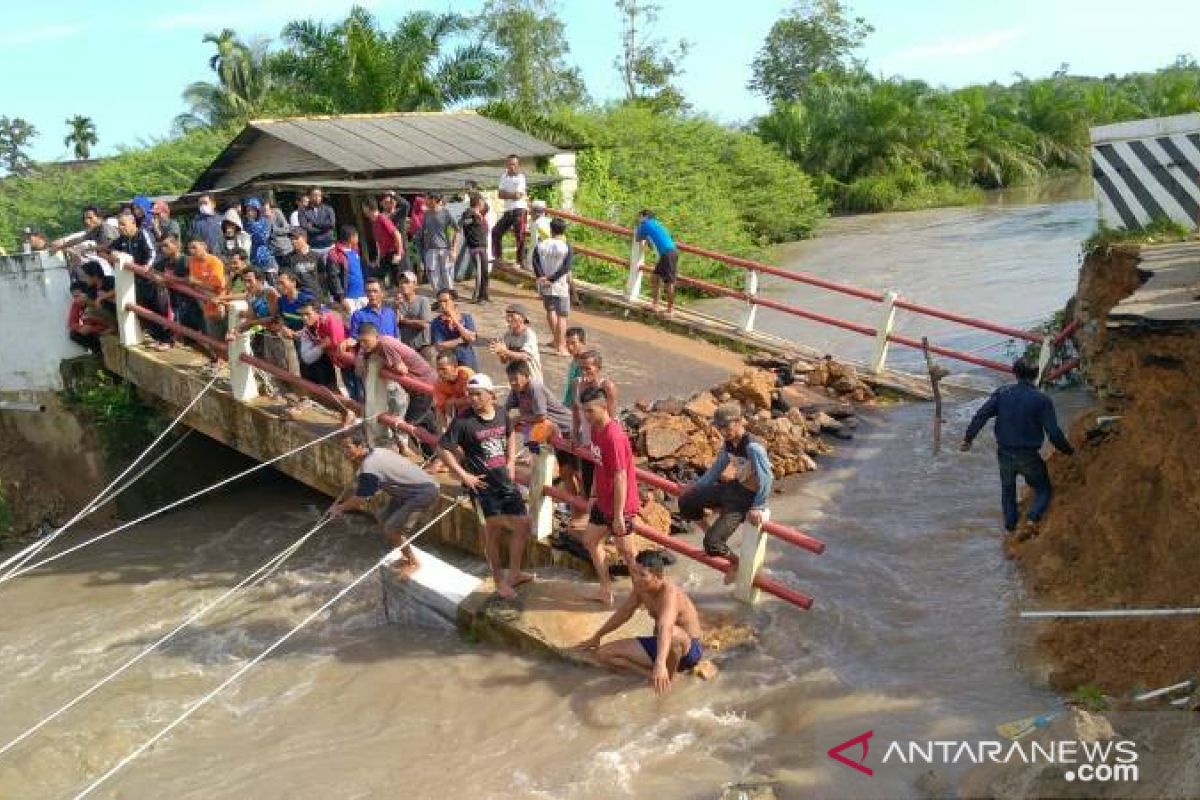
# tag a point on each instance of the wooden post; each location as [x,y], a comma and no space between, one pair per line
[129,327]
[541,506]
[887,321]
[241,374]
[754,553]
[751,306]
[936,373]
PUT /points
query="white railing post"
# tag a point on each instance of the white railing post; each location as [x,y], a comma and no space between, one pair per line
[241,374]
[541,505]
[129,327]
[374,400]
[1044,357]
[633,286]
[751,305]
[531,242]
[887,320]
[754,553]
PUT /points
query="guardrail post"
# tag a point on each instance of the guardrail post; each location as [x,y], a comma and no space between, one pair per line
[751,306]
[1044,358]
[633,286]
[129,327]
[754,553]
[241,374]
[887,320]
[531,242]
[374,401]
[541,506]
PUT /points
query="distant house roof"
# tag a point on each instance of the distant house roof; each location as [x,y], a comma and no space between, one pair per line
[364,146]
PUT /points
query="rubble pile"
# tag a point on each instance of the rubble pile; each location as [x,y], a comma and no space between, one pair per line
[788,405]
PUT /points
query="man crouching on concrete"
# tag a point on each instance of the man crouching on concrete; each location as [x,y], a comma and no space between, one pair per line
[675,645]
[411,491]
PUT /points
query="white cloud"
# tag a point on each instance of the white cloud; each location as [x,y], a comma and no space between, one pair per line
[957,48]
[45,33]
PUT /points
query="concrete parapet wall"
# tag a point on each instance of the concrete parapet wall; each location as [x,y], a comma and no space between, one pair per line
[35,297]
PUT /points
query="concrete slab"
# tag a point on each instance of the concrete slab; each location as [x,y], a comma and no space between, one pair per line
[1170,297]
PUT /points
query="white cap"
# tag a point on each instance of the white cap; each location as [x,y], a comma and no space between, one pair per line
[479,381]
[539,204]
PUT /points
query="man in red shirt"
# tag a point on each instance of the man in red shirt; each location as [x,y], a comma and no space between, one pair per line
[615,493]
[416,406]
[389,244]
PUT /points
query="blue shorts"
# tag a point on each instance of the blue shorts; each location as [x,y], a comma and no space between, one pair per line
[690,659]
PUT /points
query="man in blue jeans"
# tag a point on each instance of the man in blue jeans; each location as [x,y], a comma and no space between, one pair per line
[1024,417]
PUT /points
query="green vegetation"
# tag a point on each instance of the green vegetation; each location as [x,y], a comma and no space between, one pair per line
[1090,698]
[81,136]
[1159,231]
[875,143]
[713,186]
[125,423]
[53,197]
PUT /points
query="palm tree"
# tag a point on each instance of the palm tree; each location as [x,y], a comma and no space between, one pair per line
[81,135]
[242,89]
[355,66]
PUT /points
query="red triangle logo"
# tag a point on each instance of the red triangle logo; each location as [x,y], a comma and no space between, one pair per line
[863,739]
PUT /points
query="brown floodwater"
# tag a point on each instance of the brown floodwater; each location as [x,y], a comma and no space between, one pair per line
[913,635]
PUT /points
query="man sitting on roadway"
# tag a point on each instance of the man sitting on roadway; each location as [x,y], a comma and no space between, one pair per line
[675,646]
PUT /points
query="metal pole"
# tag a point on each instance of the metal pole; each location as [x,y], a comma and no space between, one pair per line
[17,405]
[1112,613]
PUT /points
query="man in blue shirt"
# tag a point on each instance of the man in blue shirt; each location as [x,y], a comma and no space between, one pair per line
[666,269]
[737,486]
[381,315]
[454,330]
[1024,417]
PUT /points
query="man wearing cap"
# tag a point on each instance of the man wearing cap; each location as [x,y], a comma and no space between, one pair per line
[410,491]
[307,266]
[512,192]
[414,315]
[539,219]
[487,442]
[736,486]
[519,342]
[389,244]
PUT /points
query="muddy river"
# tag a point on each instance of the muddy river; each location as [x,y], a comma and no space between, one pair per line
[914,633]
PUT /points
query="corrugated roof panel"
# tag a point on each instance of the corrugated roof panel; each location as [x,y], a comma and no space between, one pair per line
[376,143]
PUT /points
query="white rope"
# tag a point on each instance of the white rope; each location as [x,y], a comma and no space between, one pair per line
[1111,613]
[262,572]
[203,701]
[181,501]
[23,557]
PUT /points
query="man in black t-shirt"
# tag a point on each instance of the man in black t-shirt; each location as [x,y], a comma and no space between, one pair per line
[474,228]
[487,442]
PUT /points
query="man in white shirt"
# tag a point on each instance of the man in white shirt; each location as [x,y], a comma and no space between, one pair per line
[552,267]
[519,342]
[516,209]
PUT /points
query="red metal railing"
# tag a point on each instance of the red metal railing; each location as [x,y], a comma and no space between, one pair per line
[823,283]
[412,384]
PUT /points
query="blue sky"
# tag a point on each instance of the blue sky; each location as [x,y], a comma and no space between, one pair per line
[124,62]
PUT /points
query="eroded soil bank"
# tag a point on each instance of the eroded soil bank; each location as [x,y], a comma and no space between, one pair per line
[1124,526]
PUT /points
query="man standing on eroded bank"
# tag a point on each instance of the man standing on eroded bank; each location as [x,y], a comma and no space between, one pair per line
[1024,417]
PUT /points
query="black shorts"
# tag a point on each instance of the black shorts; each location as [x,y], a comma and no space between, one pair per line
[506,502]
[667,268]
[597,517]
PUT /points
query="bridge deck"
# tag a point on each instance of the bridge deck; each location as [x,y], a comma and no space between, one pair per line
[1171,296]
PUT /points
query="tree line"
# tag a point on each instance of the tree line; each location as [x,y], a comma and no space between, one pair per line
[837,134]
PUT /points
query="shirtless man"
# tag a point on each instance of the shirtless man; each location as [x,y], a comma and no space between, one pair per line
[675,645]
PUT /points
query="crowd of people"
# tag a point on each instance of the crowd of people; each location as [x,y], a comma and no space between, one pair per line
[321,304]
